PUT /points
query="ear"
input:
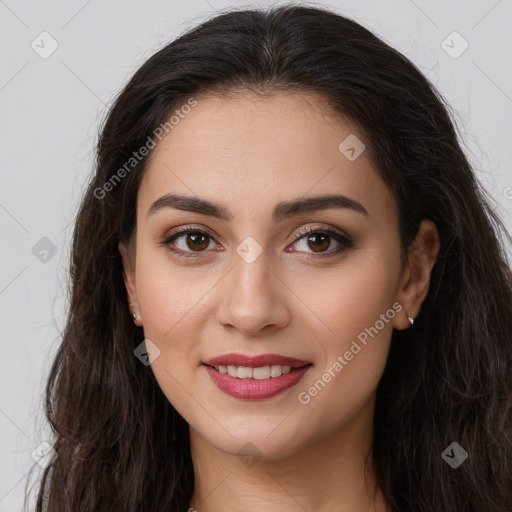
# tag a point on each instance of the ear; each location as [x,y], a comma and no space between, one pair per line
[415,281]
[129,281]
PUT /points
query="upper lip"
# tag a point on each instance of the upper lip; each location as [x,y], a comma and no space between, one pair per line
[255,361]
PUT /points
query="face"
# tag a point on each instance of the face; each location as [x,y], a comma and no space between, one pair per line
[254,282]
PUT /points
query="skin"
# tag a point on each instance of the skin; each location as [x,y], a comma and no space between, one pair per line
[249,153]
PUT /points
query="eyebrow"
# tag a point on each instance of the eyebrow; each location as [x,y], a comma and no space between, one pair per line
[281,211]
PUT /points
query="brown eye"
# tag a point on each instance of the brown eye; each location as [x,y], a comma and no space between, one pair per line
[318,240]
[197,240]
[188,241]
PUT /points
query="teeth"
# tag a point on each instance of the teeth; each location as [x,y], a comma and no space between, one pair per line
[276,370]
[260,373]
[244,372]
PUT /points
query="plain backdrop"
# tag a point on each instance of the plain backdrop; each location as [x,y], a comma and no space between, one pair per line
[63,62]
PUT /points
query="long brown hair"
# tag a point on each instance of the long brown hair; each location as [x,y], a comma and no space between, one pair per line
[122,446]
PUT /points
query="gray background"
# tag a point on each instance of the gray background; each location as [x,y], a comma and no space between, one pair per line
[51,109]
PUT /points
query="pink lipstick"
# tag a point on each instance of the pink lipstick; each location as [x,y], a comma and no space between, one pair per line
[257,377]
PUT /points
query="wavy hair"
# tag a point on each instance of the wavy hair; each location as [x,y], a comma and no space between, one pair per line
[122,446]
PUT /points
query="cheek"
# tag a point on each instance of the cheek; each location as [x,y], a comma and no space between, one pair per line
[170,296]
[357,307]
[171,309]
[353,297]
[176,304]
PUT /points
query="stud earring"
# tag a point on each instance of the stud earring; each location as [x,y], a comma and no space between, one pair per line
[134,315]
[411,320]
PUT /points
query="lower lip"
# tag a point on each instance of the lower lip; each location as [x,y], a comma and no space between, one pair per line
[255,389]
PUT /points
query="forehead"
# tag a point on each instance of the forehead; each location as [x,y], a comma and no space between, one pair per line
[250,152]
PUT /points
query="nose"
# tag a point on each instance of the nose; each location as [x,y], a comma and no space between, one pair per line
[254,298]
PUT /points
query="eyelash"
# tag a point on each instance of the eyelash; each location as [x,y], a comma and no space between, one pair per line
[344,240]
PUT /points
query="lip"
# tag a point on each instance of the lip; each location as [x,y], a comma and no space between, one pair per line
[255,389]
[255,361]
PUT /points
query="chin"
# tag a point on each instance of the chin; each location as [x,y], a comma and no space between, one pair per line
[260,440]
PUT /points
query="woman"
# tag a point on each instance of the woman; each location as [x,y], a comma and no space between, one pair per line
[288,289]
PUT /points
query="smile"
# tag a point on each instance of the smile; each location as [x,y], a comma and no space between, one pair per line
[255,378]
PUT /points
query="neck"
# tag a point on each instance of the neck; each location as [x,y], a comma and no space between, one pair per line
[332,473]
